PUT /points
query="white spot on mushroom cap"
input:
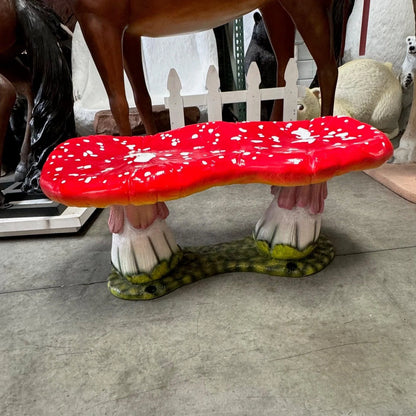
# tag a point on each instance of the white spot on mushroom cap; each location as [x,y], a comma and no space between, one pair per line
[294,161]
[89,153]
[140,157]
[304,136]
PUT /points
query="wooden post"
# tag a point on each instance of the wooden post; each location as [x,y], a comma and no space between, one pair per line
[364,27]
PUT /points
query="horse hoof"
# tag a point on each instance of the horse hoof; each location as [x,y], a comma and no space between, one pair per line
[20,173]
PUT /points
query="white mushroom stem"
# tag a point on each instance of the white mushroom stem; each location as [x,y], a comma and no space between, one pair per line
[141,238]
[294,216]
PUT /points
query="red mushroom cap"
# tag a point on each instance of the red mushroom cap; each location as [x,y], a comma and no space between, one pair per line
[105,170]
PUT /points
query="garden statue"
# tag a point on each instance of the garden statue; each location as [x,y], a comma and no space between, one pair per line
[367,90]
[32,64]
[113,31]
[136,175]
[406,152]
[394,35]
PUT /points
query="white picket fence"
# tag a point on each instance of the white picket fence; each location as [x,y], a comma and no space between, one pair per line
[213,99]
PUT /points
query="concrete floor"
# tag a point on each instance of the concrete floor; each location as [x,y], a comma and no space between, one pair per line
[342,342]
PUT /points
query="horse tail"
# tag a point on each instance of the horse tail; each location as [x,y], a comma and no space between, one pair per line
[53,116]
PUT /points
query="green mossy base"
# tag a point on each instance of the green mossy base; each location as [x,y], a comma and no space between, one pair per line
[237,256]
[283,252]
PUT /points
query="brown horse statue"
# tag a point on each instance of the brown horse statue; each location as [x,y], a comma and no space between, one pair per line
[32,64]
[113,31]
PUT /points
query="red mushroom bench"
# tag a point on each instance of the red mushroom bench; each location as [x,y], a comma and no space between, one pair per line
[136,175]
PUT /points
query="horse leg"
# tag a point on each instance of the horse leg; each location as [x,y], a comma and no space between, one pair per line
[7,100]
[104,42]
[132,53]
[281,31]
[22,167]
[313,20]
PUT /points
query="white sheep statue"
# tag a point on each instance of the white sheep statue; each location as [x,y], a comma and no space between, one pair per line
[367,90]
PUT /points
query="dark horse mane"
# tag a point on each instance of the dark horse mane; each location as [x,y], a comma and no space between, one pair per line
[52,117]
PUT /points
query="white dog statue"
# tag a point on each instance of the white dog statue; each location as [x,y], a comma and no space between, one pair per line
[406,152]
[367,90]
[409,63]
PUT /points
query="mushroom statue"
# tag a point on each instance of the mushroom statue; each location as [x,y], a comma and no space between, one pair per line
[136,175]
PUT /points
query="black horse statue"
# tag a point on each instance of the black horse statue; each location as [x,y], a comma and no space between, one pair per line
[32,64]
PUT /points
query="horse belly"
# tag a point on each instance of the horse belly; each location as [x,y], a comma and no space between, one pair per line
[168,17]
